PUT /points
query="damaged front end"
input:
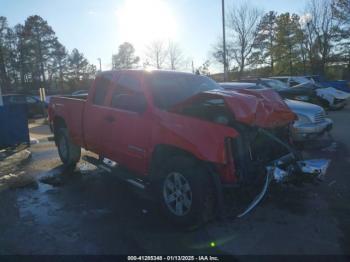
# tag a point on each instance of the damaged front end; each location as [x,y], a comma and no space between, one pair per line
[301,170]
[262,151]
[292,166]
[263,156]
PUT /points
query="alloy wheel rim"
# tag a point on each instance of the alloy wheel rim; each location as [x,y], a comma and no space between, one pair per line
[177,194]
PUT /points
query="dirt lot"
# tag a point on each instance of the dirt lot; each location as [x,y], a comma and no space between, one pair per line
[92,212]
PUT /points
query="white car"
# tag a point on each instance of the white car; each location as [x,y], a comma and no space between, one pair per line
[336,98]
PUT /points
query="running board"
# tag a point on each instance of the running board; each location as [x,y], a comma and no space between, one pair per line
[111,166]
[136,183]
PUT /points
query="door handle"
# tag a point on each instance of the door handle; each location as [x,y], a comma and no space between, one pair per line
[110,119]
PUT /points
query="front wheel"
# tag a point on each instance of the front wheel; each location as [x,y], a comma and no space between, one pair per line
[186,192]
[69,152]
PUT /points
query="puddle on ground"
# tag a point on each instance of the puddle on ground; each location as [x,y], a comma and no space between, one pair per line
[34,205]
[331,148]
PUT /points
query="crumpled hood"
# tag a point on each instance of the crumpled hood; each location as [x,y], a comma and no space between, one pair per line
[263,107]
[300,107]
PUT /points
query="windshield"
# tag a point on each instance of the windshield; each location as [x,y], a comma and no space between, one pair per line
[169,89]
[273,83]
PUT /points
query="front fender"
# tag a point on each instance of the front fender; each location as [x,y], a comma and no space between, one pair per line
[205,140]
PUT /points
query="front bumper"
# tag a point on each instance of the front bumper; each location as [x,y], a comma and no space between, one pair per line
[338,104]
[302,132]
[289,169]
[303,169]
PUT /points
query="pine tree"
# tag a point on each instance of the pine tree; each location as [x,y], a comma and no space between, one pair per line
[79,67]
[265,41]
[39,39]
[286,51]
[4,53]
[125,58]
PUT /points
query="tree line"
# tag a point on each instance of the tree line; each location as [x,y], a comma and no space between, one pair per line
[317,42]
[31,57]
[261,44]
[159,54]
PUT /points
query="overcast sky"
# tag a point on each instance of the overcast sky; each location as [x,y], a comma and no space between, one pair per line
[98,27]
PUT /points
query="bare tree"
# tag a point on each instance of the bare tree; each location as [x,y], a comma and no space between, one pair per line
[156,54]
[217,54]
[175,57]
[243,22]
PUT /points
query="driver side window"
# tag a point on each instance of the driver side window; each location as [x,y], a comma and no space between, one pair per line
[128,95]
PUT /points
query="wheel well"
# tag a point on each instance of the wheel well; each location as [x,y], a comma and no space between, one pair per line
[163,152]
[58,123]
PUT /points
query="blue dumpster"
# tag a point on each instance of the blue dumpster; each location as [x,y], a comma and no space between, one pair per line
[13,125]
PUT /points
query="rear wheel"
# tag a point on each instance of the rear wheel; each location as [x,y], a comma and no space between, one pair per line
[69,152]
[186,192]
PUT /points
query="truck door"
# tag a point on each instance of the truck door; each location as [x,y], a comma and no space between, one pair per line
[96,114]
[129,132]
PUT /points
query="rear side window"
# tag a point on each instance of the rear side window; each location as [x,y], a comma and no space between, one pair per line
[102,84]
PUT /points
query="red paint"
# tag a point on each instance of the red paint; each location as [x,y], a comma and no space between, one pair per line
[131,139]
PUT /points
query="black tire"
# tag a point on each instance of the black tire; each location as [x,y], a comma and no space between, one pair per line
[203,197]
[69,152]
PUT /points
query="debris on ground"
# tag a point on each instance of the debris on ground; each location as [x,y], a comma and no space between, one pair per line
[34,141]
[12,162]
[331,148]
[332,183]
[17,180]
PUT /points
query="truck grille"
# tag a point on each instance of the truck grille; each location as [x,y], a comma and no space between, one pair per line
[319,117]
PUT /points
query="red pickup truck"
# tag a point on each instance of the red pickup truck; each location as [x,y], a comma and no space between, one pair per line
[181,135]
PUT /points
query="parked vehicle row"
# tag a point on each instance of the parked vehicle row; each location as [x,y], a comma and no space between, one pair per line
[183,138]
[342,85]
[328,96]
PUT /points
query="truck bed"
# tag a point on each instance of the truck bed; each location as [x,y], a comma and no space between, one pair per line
[71,109]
